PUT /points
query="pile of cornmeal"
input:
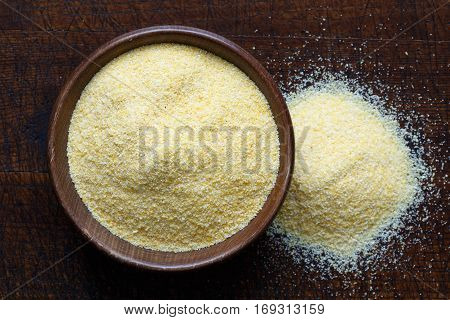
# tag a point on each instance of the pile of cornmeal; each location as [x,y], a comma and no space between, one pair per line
[173,148]
[353,173]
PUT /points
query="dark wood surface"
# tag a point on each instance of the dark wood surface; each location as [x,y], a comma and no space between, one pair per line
[44,41]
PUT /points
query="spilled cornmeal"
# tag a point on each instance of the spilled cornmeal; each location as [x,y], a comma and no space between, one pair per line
[353,173]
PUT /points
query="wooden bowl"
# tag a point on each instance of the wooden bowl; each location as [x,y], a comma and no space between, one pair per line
[59,167]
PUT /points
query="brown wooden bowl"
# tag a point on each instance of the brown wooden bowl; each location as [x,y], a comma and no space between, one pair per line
[59,166]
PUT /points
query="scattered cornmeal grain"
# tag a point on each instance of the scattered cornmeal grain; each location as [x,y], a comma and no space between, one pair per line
[353,173]
[149,155]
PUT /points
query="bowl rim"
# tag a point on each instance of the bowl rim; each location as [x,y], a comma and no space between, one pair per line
[195,34]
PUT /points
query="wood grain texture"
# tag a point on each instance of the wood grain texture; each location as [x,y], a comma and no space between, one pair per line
[34,231]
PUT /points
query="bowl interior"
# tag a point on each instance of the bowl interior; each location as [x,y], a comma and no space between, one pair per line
[58,135]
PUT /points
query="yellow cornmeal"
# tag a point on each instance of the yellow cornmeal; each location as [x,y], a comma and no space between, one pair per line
[174,196]
[352,172]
